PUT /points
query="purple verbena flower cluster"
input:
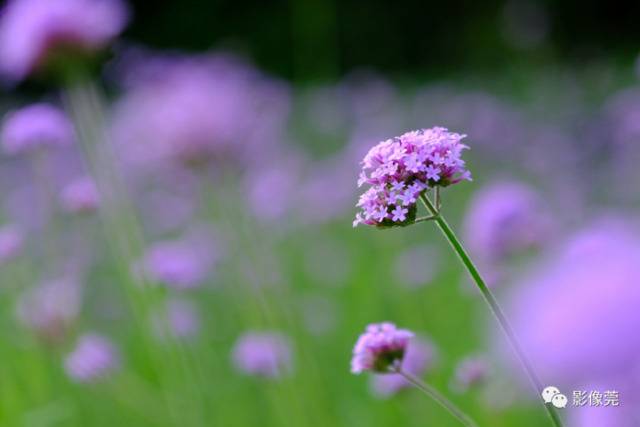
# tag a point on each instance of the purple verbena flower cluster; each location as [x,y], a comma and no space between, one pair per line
[179,319]
[50,308]
[382,346]
[265,354]
[181,264]
[93,358]
[419,358]
[11,242]
[470,372]
[80,196]
[400,169]
[35,126]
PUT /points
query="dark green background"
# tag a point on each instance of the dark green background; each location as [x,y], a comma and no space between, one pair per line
[315,39]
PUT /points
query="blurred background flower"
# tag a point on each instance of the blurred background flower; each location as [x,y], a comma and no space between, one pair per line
[80,196]
[11,242]
[34,32]
[470,372]
[263,354]
[504,220]
[93,358]
[50,308]
[580,336]
[34,127]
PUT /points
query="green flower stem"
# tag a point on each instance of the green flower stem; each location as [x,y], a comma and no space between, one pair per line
[437,397]
[491,301]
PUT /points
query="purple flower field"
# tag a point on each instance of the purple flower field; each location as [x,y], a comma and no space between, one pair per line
[178,244]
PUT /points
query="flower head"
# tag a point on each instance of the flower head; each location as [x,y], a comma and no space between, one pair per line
[50,308]
[11,243]
[80,196]
[400,169]
[181,264]
[381,347]
[470,372]
[35,126]
[266,354]
[504,219]
[179,319]
[194,110]
[93,358]
[34,31]
[420,357]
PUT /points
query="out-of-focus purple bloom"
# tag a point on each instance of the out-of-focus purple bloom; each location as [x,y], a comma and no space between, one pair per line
[50,308]
[269,196]
[416,267]
[34,31]
[498,128]
[622,112]
[402,168]
[619,137]
[419,359]
[93,358]
[35,126]
[577,314]
[180,319]
[181,264]
[504,219]
[183,318]
[322,193]
[194,110]
[624,415]
[380,348]
[11,243]
[272,191]
[80,196]
[470,372]
[611,403]
[372,99]
[266,354]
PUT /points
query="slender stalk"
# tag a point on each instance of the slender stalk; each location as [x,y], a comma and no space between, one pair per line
[424,218]
[125,242]
[437,396]
[490,299]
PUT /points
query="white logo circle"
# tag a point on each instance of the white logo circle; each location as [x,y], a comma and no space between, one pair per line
[549,392]
[559,400]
